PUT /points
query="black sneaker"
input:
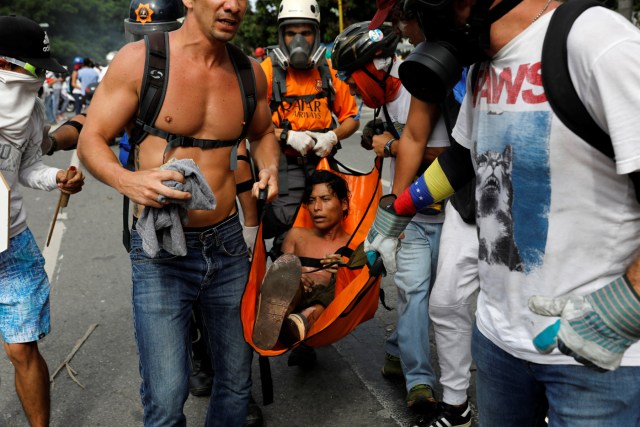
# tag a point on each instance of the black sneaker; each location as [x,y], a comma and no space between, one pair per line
[449,416]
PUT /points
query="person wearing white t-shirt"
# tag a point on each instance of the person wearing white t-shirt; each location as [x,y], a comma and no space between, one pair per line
[365,60]
[558,222]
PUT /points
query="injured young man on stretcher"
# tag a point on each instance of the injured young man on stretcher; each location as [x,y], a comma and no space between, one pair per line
[300,284]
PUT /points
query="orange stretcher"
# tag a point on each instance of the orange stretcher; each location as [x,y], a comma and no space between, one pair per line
[357,290]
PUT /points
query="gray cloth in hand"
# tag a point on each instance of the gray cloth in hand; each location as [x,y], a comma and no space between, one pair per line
[161,228]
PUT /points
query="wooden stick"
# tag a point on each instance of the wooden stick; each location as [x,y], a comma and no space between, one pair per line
[67,359]
[63,200]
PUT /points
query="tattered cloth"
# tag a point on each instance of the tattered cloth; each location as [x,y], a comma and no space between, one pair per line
[161,228]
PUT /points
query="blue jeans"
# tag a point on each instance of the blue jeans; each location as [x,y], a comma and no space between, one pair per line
[514,392]
[214,273]
[416,261]
[78,101]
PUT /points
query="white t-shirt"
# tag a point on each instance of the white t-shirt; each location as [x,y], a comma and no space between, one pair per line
[554,217]
[398,110]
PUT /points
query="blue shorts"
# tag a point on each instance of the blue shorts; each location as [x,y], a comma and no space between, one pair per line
[24,291]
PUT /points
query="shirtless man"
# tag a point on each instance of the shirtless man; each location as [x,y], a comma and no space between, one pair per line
[327,199]
[202,100]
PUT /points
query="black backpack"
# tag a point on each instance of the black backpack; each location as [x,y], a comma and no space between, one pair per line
[152,93]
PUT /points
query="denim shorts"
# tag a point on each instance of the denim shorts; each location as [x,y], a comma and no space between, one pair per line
[24,291]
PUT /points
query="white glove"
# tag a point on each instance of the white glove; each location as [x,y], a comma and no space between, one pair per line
[384,235]
[250,234]
[387,247]
[300,141]
[324,142]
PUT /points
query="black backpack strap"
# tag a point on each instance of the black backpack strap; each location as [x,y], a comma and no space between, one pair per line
[556,79]
[152,91]
[247,80]
[154,85]
[559,88]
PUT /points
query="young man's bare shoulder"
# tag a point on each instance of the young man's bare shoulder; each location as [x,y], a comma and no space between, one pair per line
[261,79]
[128,63]
[299,232]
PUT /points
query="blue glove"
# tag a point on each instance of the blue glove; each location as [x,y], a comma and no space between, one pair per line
[383,237]
[595,329]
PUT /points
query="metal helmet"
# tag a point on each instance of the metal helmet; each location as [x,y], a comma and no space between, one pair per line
[356,46]
[152,16]
[299,54]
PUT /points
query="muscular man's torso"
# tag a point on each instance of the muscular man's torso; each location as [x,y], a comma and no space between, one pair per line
[202,101]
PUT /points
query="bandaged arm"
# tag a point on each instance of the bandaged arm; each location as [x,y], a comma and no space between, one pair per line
[447,174]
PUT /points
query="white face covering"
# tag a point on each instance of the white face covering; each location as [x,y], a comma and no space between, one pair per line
[18,94]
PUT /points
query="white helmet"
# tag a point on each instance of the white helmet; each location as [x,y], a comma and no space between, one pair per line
[299,54]
[299,9]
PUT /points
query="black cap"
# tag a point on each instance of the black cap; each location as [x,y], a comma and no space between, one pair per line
[23,39]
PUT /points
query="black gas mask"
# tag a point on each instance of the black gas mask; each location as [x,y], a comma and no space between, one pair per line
[299,52]
[434,67]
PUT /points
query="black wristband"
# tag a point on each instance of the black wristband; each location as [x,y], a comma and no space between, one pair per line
[244,186]
[74,124]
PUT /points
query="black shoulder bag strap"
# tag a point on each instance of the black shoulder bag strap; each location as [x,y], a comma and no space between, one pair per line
[561,93]
[152,91]
[244,71]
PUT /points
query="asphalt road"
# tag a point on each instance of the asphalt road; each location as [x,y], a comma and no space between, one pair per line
[90,277]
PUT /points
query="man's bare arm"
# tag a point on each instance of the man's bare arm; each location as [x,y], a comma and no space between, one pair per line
[264,147]
[347,128]
[421,121]
[113,107]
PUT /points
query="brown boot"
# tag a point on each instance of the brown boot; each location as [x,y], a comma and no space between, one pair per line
[279,294]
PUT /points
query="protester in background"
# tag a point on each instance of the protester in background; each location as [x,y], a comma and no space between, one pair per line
[260,54]
[56,86]
[24,286]
[76,87]
[87,76]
